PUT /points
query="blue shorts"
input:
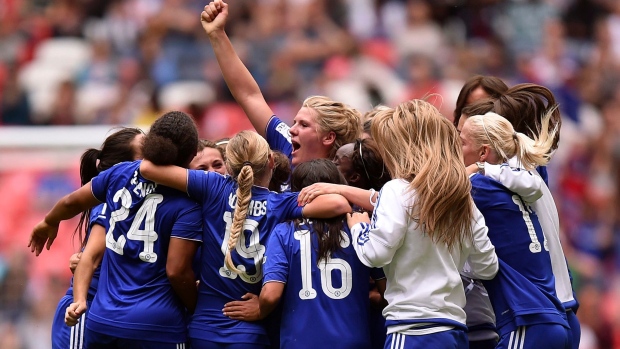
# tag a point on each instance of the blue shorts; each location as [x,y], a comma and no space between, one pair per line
[548,336]
[204,344]
[452,339]
[63,336]
[96,340]
[575,328]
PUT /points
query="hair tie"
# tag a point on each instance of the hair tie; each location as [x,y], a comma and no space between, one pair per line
[515,136]
[246,163]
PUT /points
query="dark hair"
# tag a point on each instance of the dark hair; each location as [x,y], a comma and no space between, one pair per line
[327,230]
[525,105]
[492,85]
[369,165]
[116,148]
[479,107]
[172,140]
[281,171]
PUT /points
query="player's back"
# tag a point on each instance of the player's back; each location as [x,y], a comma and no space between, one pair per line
[218,284]
[520,245]
[135,299]
[325,303]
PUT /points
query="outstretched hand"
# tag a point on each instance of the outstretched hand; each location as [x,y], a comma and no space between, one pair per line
[43,234]
[213,18]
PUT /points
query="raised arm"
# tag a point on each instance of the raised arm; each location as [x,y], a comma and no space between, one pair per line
[91,257]
[238,78]
[170,176]
[44,233]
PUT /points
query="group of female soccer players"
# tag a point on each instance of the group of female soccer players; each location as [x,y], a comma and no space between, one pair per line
[193,245]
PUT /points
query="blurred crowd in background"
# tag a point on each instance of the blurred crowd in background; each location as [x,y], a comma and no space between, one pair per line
[109,62]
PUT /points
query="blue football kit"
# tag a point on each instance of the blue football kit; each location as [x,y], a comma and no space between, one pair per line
[135,302]
[325,302]
[219,285]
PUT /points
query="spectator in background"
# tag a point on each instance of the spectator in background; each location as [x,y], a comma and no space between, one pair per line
[14,104]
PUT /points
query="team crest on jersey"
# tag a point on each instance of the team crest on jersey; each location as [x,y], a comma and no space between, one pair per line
[283,129]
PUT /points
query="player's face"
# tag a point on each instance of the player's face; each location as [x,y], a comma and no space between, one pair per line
[471,150]
[308,142]
[208,159]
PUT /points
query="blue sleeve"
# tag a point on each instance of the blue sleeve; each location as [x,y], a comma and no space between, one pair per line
[278,136]
[99,184]
[286,206]
[201,185]
[98,216]
[189,222]
[276,261]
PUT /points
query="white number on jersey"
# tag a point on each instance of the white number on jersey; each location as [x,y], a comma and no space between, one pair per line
[254,250]
[145,214]
[535,244]
[326,266]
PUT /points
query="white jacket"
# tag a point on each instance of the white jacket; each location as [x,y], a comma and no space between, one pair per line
[423,282]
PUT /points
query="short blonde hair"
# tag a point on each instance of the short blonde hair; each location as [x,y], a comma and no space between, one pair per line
[421,146]
[335,117]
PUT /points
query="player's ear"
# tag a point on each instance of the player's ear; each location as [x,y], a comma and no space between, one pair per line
[329,138]
[485,150]
[354,178]
[271,161]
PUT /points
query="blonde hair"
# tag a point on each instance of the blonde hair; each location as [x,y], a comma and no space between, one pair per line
[247,155]
[496,131]
[422,147]
[335,117]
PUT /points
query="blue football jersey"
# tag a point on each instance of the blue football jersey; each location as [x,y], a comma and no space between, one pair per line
[325,303]
[135,300]
[64,336]
[279,137]
[542,171]
[218,284]
[524,293]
